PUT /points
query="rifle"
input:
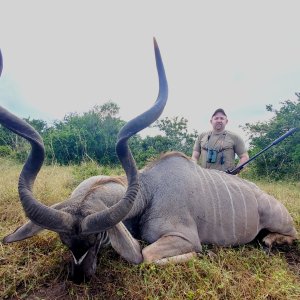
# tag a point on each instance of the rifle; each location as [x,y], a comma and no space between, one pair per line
[240,167]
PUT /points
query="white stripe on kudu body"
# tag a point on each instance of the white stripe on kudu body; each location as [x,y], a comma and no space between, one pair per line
[220,223]
[232,206]
[245,210]
[206,183]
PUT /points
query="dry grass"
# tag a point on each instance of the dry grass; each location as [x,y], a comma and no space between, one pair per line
[37,268]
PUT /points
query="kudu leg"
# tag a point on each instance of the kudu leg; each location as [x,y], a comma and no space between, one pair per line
[276,219]
[169,249]
[278,239]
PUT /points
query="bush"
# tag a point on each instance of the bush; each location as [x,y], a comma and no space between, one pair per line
[5,151]
[283,160]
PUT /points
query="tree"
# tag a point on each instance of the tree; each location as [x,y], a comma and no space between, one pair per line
[175,138]
[91,135]
[14,145]
[283,160]
[177,135]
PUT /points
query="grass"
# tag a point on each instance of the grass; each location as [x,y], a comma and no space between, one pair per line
[37,268]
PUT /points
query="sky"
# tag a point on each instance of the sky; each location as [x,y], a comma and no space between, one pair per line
[68,56]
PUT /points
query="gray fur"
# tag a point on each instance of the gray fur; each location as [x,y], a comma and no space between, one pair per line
[179,198]
[206,206]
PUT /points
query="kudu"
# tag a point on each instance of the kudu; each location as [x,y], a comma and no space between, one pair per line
[173,204]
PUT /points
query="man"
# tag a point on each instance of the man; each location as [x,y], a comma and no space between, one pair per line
[217,148]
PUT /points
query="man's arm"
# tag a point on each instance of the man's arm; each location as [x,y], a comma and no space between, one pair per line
[243,158]
[195,156]
[239,147]
[197,148]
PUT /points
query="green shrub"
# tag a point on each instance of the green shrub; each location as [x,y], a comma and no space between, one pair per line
[5,151]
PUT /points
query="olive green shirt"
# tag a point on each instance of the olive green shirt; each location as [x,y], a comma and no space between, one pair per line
[226,144]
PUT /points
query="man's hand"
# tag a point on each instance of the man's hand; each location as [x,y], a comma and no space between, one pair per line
[234,171]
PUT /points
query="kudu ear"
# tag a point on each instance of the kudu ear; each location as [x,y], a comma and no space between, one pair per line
[26,231]
[125,244]
[29,229]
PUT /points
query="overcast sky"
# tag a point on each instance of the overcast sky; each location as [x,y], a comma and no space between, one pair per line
[67,56]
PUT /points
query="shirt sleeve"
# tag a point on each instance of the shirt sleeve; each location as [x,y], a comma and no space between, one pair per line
[197,145]
[239,145]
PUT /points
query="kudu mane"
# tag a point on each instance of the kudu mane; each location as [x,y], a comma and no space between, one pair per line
[164,156]
[100,184]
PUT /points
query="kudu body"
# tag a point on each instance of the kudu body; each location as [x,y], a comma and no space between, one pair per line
[173,204]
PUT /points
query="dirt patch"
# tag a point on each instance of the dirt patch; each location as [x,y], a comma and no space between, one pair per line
[54,291]
[292,256]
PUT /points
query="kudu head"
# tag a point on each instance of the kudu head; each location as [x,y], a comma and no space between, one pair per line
[83,231]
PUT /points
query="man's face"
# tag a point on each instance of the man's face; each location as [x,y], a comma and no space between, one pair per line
[218,122]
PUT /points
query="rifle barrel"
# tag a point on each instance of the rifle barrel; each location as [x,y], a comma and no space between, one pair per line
[240,167]
[291,131]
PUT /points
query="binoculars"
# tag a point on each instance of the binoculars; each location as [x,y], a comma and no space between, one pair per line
[211,156]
